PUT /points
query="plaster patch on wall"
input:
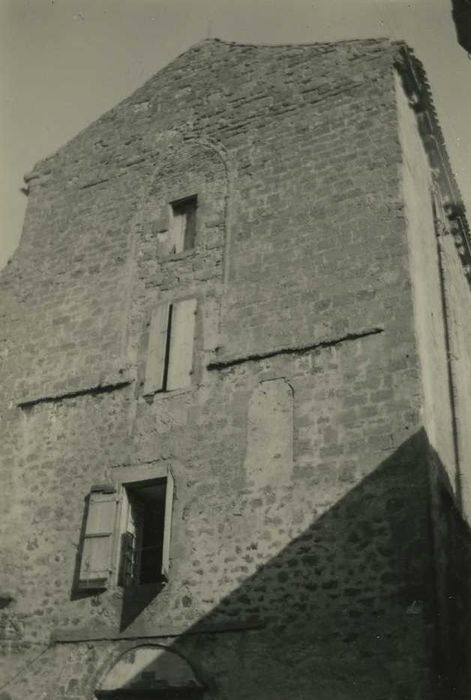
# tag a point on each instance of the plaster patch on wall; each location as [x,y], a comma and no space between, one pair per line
[269,455]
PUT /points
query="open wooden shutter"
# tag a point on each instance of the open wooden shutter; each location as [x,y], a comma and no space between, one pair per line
[180,365]
[97,546]
[155,364]
[167,525]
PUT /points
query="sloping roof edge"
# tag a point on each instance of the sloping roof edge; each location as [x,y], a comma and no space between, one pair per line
[419,94]
[42,167]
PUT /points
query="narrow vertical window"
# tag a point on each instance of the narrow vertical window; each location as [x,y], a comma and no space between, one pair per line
[182,230]
[169,363]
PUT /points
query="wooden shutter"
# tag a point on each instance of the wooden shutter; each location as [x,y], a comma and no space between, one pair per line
[97,546]
[180,363]
[155,364]
[167,525]
[190,225]
[177,232]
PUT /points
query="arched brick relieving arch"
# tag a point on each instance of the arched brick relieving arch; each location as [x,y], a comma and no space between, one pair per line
[182,168]
[149,671]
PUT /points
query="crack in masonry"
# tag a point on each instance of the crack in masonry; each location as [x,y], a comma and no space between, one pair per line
[93,183]
[92,391]
[296,350]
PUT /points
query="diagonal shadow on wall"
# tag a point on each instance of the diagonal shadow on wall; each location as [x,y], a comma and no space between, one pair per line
[350,609]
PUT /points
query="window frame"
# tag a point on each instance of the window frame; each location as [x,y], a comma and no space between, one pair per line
[131,477]
[188,205]
[136,509]
[167,232]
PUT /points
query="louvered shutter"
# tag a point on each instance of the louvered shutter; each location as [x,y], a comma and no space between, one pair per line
[167,526]
[97,545]
[180,363]
[155,363]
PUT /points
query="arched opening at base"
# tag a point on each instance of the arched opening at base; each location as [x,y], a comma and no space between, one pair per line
[150,673]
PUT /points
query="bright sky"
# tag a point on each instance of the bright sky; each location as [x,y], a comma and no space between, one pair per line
[65,62]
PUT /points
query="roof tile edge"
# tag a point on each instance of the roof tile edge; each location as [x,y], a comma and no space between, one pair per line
[419,93]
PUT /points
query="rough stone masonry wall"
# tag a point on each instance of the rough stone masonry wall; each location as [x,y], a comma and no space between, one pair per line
[328,544]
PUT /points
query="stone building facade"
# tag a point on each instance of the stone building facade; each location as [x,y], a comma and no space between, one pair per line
[236,370]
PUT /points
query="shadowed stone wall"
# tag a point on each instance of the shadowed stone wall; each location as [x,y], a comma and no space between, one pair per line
[301,569]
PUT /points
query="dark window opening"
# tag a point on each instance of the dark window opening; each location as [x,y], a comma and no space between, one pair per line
[143,539]
[183,224]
